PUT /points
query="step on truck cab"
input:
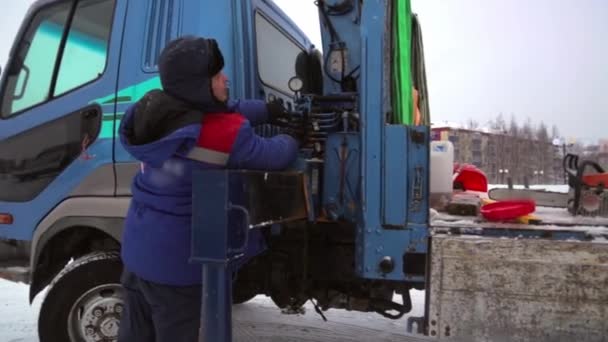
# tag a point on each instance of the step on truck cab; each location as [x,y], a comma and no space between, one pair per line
[74,68]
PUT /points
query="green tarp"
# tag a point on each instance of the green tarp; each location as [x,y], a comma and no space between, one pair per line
[402,79]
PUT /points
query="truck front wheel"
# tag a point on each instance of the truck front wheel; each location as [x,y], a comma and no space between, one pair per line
[84,302]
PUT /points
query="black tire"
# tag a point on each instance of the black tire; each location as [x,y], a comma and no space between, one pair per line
[246,284]
[77,278]
[243,289]
[241,295]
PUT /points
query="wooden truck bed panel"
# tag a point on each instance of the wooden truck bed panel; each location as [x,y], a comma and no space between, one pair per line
[518,289]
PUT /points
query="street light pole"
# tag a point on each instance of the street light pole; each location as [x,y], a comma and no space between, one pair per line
[564,156]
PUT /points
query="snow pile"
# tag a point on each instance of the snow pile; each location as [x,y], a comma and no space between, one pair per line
[547,187]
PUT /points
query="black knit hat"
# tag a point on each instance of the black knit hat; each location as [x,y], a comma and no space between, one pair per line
[186,66]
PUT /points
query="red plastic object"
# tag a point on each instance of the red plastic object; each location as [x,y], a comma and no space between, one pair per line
[471,178]
[507,210]
[596,179]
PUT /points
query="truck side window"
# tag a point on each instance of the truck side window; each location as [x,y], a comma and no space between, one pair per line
[277,54]
[31,70]
[84,56]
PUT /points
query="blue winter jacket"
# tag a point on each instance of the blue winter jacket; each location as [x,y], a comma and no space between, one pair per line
[171,140]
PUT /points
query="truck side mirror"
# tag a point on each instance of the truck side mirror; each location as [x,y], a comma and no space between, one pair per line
[309,70]
[316,72]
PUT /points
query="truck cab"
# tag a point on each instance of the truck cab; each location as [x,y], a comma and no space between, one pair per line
[74,68]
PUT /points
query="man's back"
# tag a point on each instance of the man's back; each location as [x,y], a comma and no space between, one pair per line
[176,140]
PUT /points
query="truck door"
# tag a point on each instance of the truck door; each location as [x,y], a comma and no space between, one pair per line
[56,129]
[278,44]
[145,35]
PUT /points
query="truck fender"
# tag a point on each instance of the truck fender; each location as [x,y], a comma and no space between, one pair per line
[100,217]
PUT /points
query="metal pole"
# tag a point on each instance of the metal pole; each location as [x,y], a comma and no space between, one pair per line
[210,245]
[563,156]
[216,311]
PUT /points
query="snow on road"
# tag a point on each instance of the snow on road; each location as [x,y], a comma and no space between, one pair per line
[18,320]
[550,187]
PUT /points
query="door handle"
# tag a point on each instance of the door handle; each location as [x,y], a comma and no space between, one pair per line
[90,114]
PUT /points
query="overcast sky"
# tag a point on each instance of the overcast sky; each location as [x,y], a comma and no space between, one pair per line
[542,59]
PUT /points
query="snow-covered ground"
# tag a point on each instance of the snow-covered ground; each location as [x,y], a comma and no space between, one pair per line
[18,319]
[552,187]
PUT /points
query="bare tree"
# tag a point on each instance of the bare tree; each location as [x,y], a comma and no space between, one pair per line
[499,125]
[520,150]
[544,155]
[542,134]
[513,127]
[527,151]
[512,149]
[528,131]
[554,132]
[472,124]
[495,149]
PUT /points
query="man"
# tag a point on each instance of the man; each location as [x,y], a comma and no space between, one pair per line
[188,125]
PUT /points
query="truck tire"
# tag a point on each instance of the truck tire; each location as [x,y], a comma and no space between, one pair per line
[242,296]
[84,301]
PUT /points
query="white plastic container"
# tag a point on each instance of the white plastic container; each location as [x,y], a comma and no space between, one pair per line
[441,170]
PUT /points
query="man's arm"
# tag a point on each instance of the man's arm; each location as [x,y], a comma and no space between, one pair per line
[255,111]
[259,112]
[253,152]
[228,140]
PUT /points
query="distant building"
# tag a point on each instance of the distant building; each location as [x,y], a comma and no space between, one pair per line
[469,145]
[602,155]
[501,156]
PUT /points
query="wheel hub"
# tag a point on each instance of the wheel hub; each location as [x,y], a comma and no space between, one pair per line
[95,316]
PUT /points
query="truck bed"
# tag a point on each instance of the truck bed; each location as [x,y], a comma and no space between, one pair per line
[556,223]
[517,282]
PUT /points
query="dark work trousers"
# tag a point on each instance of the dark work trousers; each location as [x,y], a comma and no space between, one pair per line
[159,313]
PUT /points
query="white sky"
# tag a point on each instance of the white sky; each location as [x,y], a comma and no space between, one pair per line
[543,59]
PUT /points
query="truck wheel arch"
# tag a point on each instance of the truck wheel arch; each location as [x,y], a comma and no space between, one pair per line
[77,226]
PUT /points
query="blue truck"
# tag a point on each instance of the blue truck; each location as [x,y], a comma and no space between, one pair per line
[348,226]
